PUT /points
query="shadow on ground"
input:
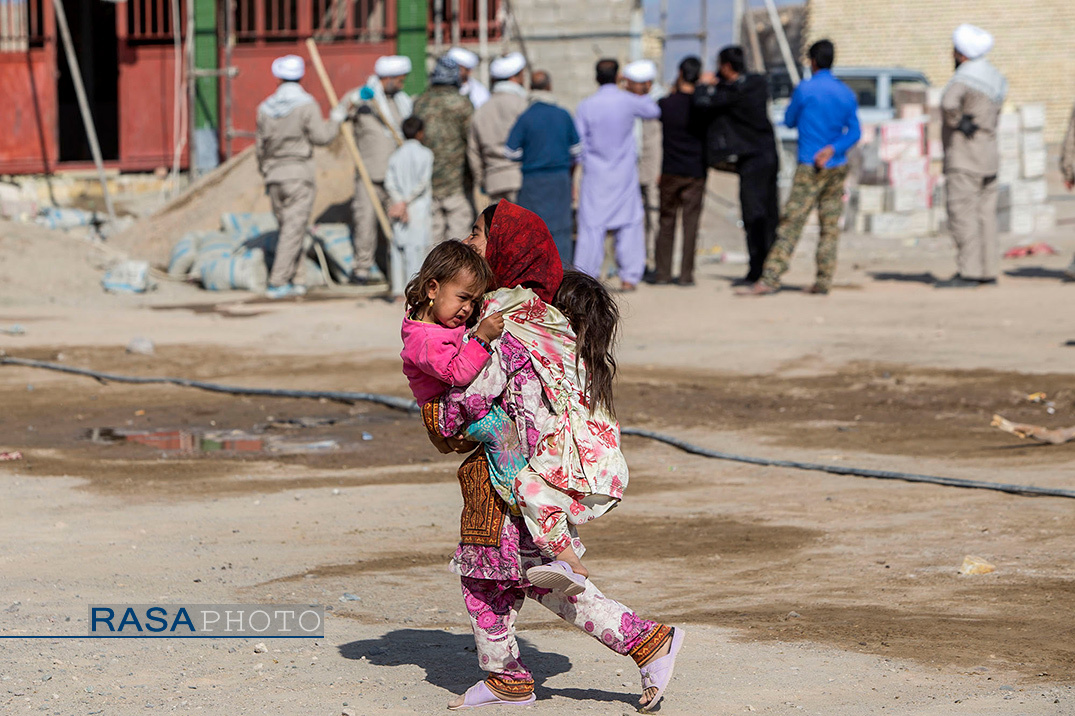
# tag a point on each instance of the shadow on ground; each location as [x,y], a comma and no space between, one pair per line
[902,277]
[450,662]
[1038,272]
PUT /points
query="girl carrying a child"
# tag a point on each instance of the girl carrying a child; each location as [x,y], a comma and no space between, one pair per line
[565,458]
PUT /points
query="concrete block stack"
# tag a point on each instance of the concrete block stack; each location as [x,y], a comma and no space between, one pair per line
[1022,207]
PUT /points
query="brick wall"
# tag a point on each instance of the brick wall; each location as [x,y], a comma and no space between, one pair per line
[1033,42]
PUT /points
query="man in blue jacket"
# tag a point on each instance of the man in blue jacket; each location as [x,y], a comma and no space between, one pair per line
[826,113]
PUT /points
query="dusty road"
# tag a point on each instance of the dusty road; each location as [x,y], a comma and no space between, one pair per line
[801,592]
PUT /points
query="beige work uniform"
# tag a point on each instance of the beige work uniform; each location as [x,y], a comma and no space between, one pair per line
[970,169]
[498,176]
[375,144]
[649,172]
[1067,152]
[284,147]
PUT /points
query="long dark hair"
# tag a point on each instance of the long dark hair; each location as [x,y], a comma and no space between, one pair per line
[447,260]
[594,317]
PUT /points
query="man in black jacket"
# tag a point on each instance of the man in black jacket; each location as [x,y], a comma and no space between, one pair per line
[740,132]
[683,170]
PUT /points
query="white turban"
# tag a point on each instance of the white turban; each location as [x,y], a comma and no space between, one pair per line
[507,66]
[641,71]
[463,58]
[392,66]
[972,42]
[288,67]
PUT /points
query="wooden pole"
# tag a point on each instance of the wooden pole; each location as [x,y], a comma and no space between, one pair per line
[83,104]
[349,140]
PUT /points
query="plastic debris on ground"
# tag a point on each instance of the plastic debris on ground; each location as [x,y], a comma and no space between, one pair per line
[141,346]
[15,330]
[1039,248]
[13,455]
[56,218]
[976,565]
[127,277]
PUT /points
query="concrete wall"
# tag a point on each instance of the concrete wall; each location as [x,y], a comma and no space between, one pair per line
[1033,42]
[567,37]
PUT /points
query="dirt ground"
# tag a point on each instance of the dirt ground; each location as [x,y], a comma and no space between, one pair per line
[801,592]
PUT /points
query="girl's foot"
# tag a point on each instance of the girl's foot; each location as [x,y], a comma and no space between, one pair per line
[657,672]
[480,695]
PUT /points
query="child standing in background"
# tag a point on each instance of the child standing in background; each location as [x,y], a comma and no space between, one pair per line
[409,181]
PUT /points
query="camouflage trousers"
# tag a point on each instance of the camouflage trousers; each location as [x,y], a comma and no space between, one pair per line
[823,188]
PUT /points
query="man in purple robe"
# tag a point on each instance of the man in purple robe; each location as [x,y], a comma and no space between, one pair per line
[609,199]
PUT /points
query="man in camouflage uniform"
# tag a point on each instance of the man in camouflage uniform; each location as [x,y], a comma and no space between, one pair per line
[826,112]
[447,114]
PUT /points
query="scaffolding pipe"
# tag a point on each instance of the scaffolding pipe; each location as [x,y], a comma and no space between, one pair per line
[83,104]
[782,41]
[191,93]
[438,27]
[455,23]
[737,22]
[703,9]
[229,43]
[483,40]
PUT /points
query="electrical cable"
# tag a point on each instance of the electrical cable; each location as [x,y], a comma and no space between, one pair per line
[409,406]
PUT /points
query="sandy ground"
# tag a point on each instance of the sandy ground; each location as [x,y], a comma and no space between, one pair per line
[800,592]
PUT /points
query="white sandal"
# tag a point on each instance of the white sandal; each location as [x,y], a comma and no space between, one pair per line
[657,674]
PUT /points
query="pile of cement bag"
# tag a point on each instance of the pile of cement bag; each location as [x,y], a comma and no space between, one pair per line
[239,256]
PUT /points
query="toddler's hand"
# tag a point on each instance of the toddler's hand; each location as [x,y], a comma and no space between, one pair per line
[491,328]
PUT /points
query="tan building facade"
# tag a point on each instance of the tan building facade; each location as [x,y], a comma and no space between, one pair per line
[1033,42]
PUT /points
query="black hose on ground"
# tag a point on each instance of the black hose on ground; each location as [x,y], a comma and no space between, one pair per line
[1028,490]
[410,406]
[390,401]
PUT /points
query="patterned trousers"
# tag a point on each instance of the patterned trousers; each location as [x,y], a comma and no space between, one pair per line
[494,605]
[823,188]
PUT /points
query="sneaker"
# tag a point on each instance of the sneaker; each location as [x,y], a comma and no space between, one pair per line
[298,289]
[1069,272]
[278,292]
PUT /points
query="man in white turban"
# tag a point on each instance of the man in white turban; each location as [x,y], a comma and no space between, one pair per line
[639,77]
[377,110]
[970,105]
[289,124]
[470,87]
[497,175]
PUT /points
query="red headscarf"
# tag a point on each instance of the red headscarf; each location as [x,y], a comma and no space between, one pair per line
[521,252]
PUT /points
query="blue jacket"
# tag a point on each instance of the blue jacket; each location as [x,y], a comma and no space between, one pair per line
[826,113]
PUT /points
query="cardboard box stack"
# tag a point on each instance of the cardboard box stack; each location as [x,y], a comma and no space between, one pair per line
[899,171]
[898,178]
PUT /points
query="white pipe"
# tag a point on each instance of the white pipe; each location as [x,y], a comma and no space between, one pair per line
[782,41]
[483,40]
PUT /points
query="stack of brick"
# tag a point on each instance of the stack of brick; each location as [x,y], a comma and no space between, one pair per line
[1021,203]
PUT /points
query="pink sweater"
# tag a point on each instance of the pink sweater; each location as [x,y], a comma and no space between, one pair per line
[436,358]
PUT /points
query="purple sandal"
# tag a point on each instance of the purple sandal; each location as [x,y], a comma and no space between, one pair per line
[658,673]
[557,576]
[479,695]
